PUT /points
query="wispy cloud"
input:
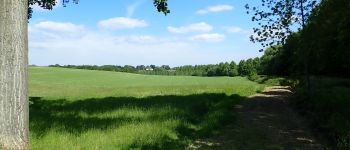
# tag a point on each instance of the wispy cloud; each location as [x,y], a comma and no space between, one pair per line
[196,27]
[233,29]
[215,9]
[58,27]
[56,30]
[214,37]
[133,7]
[122,23]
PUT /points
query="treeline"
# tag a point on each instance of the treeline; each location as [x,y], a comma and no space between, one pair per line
[325,42]
[221,69]
[250,67]
[323,45]
[323,48]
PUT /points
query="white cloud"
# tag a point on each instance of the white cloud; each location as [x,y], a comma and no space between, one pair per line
[135,39]
[215,9]
[48,46]
[214,37]
[234,29]
[197,27]
[122,23]
[56,30]
[58,27]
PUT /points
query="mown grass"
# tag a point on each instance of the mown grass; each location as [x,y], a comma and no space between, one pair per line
[82,109]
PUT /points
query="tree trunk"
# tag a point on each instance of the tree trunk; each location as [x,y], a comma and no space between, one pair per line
[14,109]
[306,55]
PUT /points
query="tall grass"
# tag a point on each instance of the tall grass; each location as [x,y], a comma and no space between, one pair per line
[81,109]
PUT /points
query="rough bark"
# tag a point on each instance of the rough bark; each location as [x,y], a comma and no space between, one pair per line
[14,111]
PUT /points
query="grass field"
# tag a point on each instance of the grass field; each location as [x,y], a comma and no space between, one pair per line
[82,109]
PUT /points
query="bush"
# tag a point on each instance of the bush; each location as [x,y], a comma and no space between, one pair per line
[253,76]
[233,73]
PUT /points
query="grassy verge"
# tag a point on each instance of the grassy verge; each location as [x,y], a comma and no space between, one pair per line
[81,109]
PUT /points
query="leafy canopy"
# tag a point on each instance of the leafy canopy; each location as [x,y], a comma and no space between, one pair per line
[161,5]
[277,19]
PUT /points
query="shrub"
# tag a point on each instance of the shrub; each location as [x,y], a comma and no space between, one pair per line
[253,76]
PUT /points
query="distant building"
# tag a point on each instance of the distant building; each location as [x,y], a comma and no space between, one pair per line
[148,68]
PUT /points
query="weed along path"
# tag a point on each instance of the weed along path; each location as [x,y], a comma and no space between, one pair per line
[264,121]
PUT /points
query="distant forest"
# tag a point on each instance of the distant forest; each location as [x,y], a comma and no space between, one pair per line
[221,69]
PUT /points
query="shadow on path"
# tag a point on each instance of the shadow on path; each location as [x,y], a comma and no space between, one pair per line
[265,121]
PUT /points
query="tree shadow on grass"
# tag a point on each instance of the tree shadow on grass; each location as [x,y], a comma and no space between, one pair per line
[208,112]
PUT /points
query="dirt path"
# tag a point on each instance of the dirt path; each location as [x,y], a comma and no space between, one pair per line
[265,121]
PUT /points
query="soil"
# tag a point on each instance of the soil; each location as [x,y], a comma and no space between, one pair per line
[264,121]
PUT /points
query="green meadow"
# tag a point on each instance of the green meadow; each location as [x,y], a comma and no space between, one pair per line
[85,109]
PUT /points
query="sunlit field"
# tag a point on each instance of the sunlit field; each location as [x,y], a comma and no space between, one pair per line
[82,109]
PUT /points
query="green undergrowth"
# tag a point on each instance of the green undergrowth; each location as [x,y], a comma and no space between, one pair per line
[274,80]
[328,108]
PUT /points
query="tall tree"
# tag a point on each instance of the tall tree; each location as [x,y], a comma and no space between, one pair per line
[14,109]
[14,116]
[276,21]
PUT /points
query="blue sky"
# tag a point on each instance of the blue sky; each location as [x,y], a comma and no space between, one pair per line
[132,32]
